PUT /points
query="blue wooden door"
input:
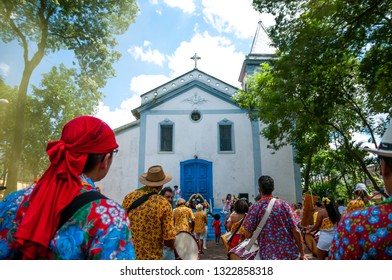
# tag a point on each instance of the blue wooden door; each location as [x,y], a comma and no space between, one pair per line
[196,177]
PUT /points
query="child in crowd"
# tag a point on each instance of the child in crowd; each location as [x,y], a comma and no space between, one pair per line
[217,228]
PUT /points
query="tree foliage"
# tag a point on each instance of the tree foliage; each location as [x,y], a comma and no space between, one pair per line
[57,100]
[325,85]
[87,28]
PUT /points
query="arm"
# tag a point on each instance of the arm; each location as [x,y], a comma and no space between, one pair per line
[169,243]
[168,231]
[191,220]
[299,242]
[317,225]
[247,234]
[229,222]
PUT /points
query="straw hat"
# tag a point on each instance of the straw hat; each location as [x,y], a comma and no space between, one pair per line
[385,147]
[155,177]
[361,187]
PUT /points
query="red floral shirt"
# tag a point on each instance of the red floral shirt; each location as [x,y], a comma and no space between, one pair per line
[364,234]
[276,240]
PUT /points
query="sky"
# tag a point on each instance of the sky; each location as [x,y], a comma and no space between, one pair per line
[158,47]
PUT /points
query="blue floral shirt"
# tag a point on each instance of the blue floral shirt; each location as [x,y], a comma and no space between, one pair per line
[98,230]
[364,234]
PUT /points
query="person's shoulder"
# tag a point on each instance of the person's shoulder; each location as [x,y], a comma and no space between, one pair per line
[131,194]
[17,196]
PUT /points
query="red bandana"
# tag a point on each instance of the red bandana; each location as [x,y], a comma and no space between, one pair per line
[60,183]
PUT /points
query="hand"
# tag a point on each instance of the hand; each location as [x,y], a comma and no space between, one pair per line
[303,257]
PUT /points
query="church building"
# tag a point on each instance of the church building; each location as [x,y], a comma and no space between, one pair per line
[192,127]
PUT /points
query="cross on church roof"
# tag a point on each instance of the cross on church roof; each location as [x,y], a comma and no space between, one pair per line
[195,58]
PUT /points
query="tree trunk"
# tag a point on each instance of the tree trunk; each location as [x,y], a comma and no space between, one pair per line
[17,144]
[307,171]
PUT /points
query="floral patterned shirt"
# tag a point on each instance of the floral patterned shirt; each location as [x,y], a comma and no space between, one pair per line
[151,224]
[200,222]
[355,204]
[364,234]
[276,241]
[182,215]
[98,230]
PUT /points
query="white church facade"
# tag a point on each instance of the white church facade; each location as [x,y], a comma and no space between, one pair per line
[192,127]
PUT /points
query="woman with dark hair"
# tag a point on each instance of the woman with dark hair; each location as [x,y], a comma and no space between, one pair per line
[327,220]
[240,210]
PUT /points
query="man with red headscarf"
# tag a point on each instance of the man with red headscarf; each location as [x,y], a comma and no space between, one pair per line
[32,223]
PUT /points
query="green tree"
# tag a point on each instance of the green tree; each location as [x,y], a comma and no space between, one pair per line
[53,104]
[85,27]
[7,125]
[316,89]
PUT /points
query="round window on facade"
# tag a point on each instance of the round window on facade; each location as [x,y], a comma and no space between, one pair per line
[195,116]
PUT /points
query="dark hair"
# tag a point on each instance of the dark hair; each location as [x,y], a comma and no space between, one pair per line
[387,160]
[93,160]
[165,189]
[241,206]
[228,196]
[175,187]
[340,201]
[266,185]
[216,217]
[318,204]
[363,195]
[332,210]
[258,197]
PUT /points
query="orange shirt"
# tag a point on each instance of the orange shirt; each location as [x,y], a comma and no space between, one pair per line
[151,223]
[182,215]
[200,222]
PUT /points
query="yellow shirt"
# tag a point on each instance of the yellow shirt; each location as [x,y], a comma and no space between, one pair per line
[355,204]
[182,215]
[151,223]
[200,222]
[326,224]
[234,226]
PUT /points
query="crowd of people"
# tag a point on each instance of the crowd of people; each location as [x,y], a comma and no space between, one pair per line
[63,215]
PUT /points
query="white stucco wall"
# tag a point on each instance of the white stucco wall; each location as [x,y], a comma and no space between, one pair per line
[123,174]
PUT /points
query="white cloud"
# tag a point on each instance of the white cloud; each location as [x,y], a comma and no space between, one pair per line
[218,57]
[143,83]
[4,70]
[123,115]
[187,6]
[145,53]
[233,16]
[119,116]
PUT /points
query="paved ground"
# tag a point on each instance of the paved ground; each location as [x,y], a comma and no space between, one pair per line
[218,252]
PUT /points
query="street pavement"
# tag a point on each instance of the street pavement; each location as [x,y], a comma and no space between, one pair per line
[218,252]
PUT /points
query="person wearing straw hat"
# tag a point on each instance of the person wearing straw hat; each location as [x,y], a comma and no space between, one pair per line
[367,233]
[63,215]
[361,194]
[150,215]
